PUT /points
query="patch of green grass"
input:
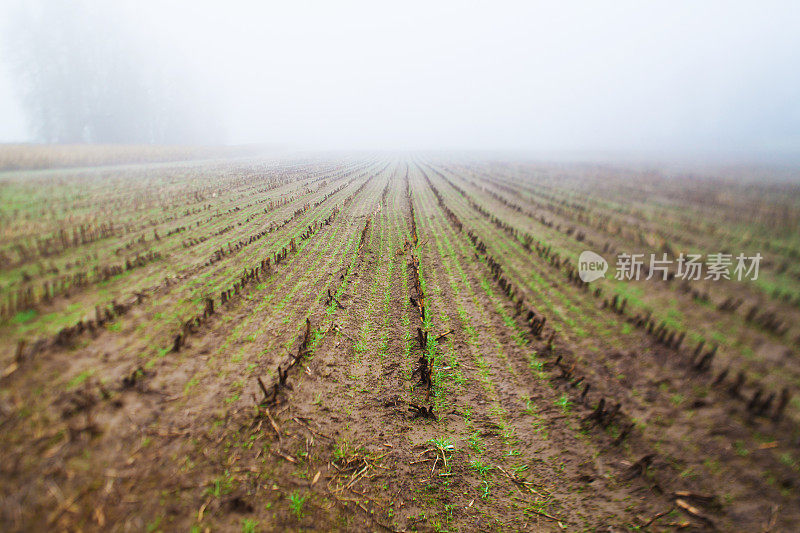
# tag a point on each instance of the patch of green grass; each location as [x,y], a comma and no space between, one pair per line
[24,316]
[153,526]
[79,379]
[530,407]
[564,403]
[340,451]
[221,486]
[475,442]
[740,448]
[189,384]
[444,446]
[481,468]
[296,503]
[249,525]
[485,490]
[519,468]
[713,465]
[232,398]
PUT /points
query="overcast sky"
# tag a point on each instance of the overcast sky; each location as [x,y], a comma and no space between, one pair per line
[556,75]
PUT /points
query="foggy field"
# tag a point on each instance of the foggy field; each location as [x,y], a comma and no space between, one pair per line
[431,266]
[38,156]
[392,343]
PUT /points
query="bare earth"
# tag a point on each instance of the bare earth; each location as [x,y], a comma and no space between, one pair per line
[135,395]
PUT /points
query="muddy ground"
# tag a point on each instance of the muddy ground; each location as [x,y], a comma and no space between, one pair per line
[120,427]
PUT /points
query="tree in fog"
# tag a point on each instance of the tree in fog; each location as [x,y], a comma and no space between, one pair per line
[86,78]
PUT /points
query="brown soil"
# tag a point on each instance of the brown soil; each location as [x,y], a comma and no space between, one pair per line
[104,435]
